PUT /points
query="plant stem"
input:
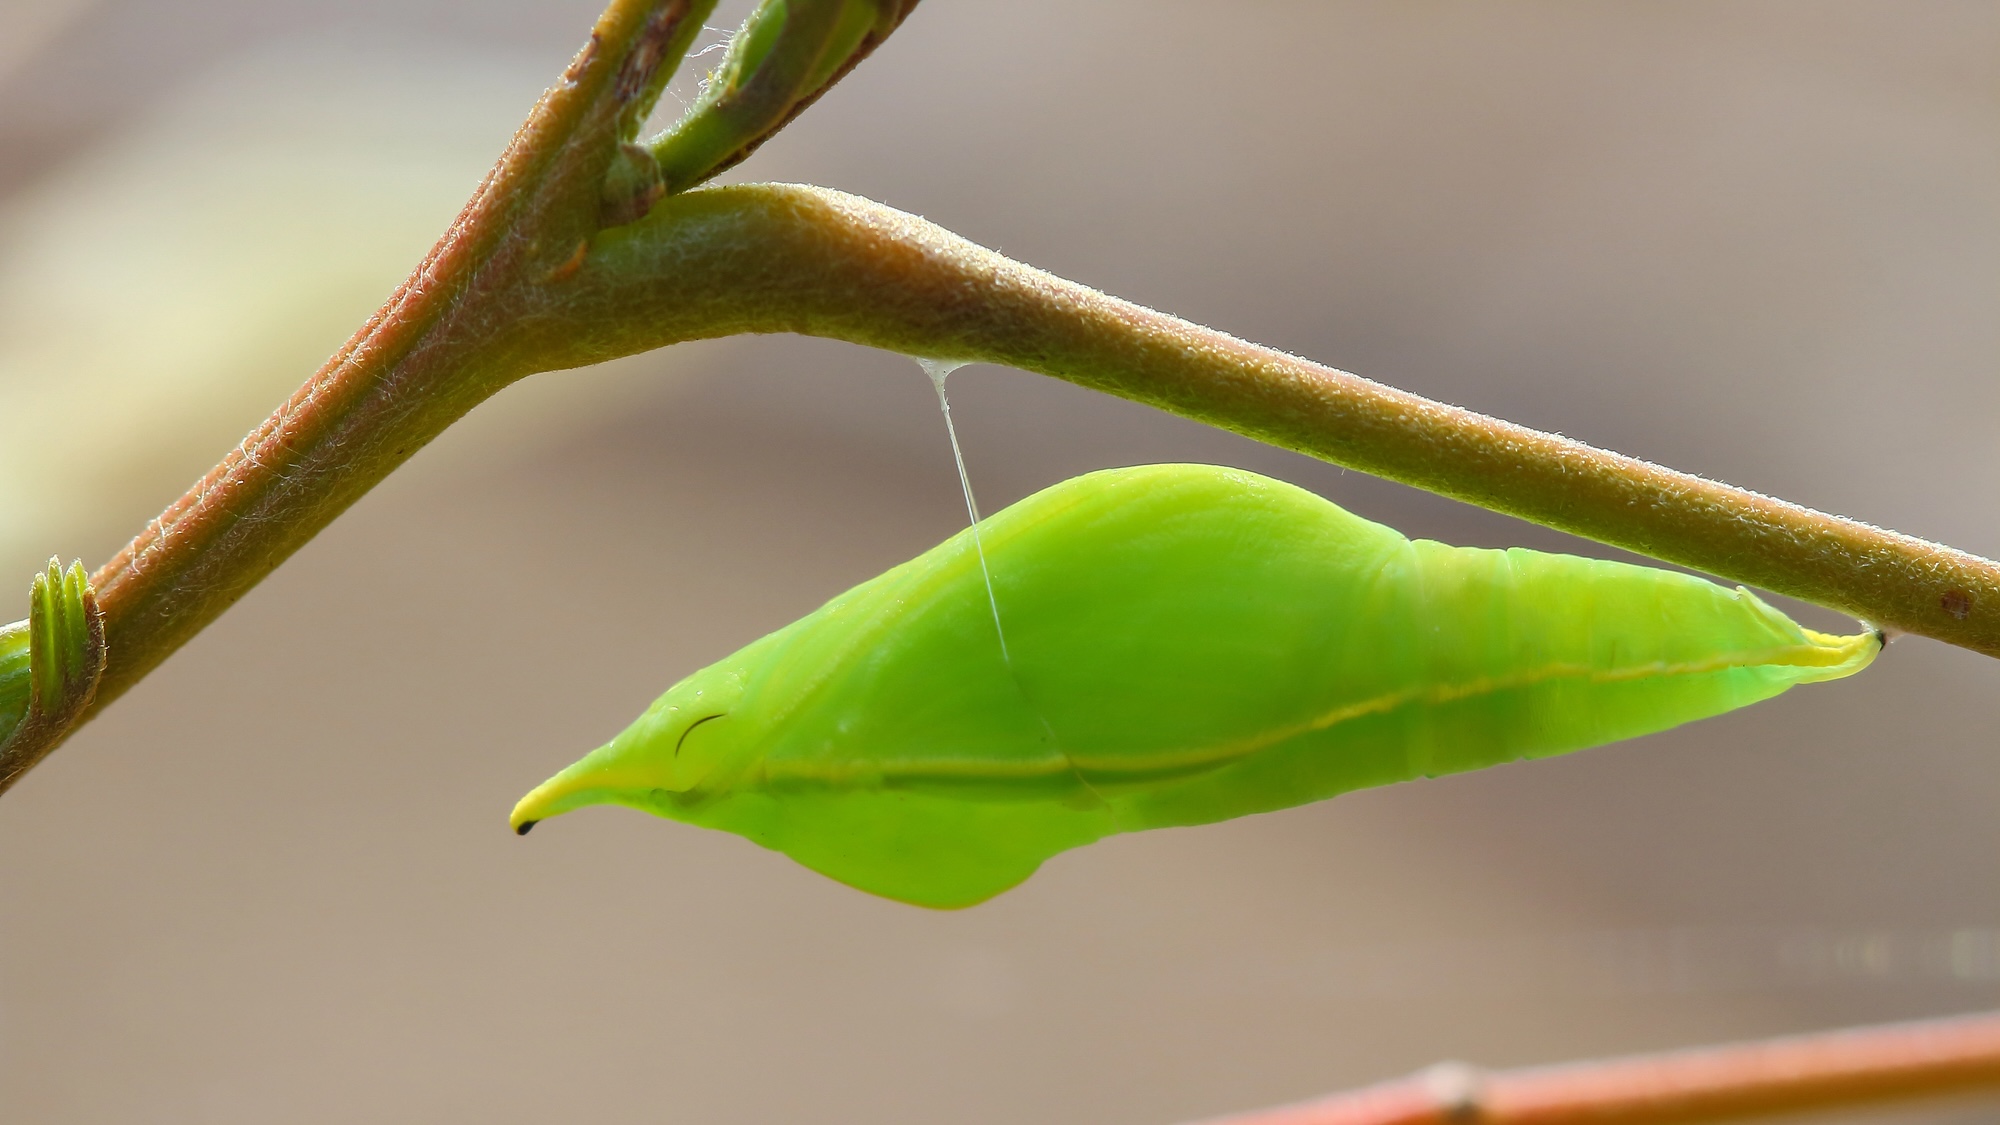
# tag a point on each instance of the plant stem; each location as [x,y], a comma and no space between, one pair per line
[437,348]
[1843,1068]
[781,258]
[464,325]
[525,281]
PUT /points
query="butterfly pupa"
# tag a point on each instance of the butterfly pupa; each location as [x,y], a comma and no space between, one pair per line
[1185,644]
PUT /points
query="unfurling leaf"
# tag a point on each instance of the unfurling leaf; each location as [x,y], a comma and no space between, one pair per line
[49,667]
[787,54]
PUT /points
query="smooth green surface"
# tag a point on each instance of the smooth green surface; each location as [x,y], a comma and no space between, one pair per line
[1188,644]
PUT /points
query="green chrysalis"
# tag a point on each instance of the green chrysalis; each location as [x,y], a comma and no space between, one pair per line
[1184,644]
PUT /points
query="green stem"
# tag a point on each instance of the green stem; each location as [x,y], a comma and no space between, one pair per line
[774,258]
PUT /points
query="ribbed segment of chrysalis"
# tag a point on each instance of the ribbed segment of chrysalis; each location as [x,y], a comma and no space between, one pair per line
[1188,644]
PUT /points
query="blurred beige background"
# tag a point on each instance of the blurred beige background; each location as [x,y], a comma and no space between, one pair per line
[1758,240]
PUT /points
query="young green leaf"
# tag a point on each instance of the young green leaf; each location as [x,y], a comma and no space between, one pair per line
[49,667]
[1184,644]
[787,54]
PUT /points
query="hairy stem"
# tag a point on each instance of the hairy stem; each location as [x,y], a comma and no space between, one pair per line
[779,258]
[439,346]
[1849,1068]
[474,317]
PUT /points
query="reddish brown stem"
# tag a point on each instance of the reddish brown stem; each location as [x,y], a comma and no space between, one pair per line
[1843,1068]
[439,346]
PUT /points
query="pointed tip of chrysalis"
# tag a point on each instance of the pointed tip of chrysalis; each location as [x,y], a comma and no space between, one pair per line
[587,781]
[540,804]
[1840,656]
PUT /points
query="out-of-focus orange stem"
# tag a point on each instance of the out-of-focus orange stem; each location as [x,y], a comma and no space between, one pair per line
[1842,1069]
